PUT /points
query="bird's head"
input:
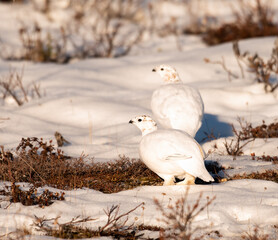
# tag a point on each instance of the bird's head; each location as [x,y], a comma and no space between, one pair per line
[169,74]
[145,123]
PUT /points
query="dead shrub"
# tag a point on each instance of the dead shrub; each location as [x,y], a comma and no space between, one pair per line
[265,72]
[95,29]
[250,21]
[235,146]
[179,218]
[42,46]
[269,175]
[67,230]
[247,133]
[261,131]
[40,163]
[115,227]
[262,70]
[31,197]
[115,29]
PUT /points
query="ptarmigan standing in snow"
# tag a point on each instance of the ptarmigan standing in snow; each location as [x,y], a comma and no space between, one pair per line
[175,104]
[170,153]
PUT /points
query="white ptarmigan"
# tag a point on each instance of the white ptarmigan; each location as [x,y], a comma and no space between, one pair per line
[175,104]
[170,153]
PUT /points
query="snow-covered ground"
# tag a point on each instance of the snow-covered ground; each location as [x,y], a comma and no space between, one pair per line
[91,101]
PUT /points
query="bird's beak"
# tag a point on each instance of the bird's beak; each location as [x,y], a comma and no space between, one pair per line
[154,70]
[130,121]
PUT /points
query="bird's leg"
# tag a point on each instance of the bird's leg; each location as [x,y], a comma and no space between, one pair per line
[169,180]
[188,180]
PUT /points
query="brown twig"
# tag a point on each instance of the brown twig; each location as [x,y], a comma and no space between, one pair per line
[113,217]
[180,217]
[223,64]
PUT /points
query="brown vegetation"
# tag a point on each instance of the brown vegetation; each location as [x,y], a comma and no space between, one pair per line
[112,32]
[269,175]
[247,134]
[178,218]
[31,197]
[40,163]
[264,71]
[250,21]
[115,227]
[267,158]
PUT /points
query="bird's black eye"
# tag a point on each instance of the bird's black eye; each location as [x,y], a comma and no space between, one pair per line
[139,120]
[161,69]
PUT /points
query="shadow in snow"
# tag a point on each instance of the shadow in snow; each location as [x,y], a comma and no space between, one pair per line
[212,125]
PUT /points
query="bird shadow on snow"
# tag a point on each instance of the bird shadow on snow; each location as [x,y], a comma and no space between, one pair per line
[211,126]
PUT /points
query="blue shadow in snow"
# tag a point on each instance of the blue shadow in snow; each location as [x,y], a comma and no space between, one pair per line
[211,125]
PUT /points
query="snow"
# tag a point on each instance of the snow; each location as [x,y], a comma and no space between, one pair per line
[91,101]
[239,204]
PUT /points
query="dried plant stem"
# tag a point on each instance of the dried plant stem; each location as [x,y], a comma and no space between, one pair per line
[113,217]
[29,165]
[223,64]
[12,85]
[179,217]
[259,67]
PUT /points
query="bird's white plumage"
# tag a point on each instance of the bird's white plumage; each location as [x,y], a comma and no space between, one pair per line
[170,153]
[175,104]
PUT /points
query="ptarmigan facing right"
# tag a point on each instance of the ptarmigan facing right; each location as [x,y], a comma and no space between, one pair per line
[175,104]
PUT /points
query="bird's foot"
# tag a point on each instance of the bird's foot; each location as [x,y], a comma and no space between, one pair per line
[189,180]
[169,181]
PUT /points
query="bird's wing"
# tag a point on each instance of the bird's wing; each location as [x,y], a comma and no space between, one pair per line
[201,151]
[177,157]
